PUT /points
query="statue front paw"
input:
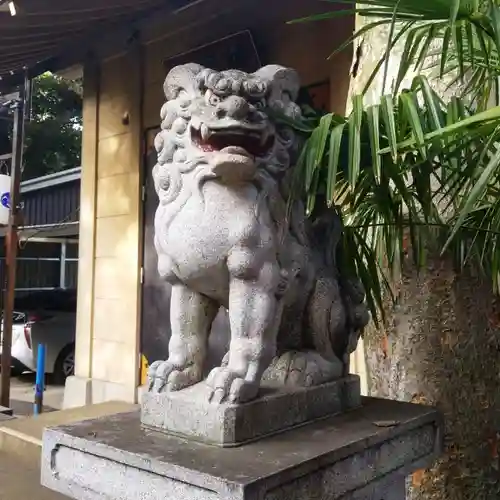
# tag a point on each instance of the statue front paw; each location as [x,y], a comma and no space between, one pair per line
[167,376]
[227,385]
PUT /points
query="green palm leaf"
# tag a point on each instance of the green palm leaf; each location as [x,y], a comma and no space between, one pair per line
[416,166]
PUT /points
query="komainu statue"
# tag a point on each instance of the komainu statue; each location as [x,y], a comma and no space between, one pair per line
[226,237]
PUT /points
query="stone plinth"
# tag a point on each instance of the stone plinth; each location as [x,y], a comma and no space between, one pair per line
[362,455]
[188,413]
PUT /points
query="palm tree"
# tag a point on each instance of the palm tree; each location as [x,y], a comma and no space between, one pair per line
[411,175]
[415,163]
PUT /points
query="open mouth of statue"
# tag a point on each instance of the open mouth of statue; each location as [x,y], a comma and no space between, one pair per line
[234,140]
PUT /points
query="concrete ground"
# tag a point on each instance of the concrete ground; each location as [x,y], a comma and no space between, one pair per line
[21,438]
[20,480]
[22,395]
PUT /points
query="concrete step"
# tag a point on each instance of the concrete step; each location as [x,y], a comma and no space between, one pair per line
[22,437]
[5,411]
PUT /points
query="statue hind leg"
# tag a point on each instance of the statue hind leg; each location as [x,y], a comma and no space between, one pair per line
[191,317]
[314,360]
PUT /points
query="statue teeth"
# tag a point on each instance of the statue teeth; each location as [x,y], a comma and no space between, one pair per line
[205,132]
[196,123]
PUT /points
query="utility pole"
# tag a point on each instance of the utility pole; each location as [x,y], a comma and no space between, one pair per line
[11,240]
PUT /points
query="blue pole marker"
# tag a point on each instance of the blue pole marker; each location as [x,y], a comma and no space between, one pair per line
[40,379]
[5,200]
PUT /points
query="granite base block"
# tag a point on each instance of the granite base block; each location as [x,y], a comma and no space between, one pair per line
[362,455]
[188,413]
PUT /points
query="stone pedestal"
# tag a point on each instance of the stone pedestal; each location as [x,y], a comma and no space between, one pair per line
[364,454]
[188,413]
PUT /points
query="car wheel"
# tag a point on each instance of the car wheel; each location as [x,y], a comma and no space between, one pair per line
[65,364]
[17,370]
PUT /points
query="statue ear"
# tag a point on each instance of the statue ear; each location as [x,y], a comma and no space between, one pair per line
[281,80]
[184,77]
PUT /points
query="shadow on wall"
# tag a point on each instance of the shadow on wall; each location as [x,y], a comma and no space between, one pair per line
[442,347]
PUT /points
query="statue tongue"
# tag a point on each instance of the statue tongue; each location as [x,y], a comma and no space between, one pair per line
[236,150]
[234,164]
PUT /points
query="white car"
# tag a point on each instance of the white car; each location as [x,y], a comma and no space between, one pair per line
[47,317]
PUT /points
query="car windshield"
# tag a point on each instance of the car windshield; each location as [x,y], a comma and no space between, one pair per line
[18,318]
[50,300]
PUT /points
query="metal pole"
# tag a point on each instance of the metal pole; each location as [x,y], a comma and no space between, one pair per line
[11,241]
[62,270]
[40,379]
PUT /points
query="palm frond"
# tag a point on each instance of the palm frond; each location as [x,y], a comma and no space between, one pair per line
[415,167]
[456,37]
[412,169]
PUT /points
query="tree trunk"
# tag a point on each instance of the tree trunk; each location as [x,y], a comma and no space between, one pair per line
[441,345]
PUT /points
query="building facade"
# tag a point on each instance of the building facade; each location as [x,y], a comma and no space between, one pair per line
[118,294]
[48,239]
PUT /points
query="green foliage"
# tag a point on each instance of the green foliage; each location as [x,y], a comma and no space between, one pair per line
[414,166]
[460,36]
[53,136]
[381,189]
[53,132]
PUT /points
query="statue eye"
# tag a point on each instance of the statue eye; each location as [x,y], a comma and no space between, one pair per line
[212,99]
[260,104]
[183,99]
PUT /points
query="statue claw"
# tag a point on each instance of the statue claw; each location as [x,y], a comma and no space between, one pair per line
[216,396]
[242,391]
[152,374]
[166,376]
[228,386]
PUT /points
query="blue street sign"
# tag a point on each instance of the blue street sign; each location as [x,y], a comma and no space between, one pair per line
[5,200]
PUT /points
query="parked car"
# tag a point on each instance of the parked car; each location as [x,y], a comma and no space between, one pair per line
[47,317]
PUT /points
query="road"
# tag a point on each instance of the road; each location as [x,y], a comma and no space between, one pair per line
[22,395]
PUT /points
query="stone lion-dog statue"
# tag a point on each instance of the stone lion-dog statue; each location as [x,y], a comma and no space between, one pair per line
[225,236]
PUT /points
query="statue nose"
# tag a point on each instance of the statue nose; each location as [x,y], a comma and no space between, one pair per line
[233,107]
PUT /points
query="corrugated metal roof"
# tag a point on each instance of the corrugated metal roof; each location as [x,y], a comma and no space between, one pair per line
[51,180]
[46,29]
[52,206]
